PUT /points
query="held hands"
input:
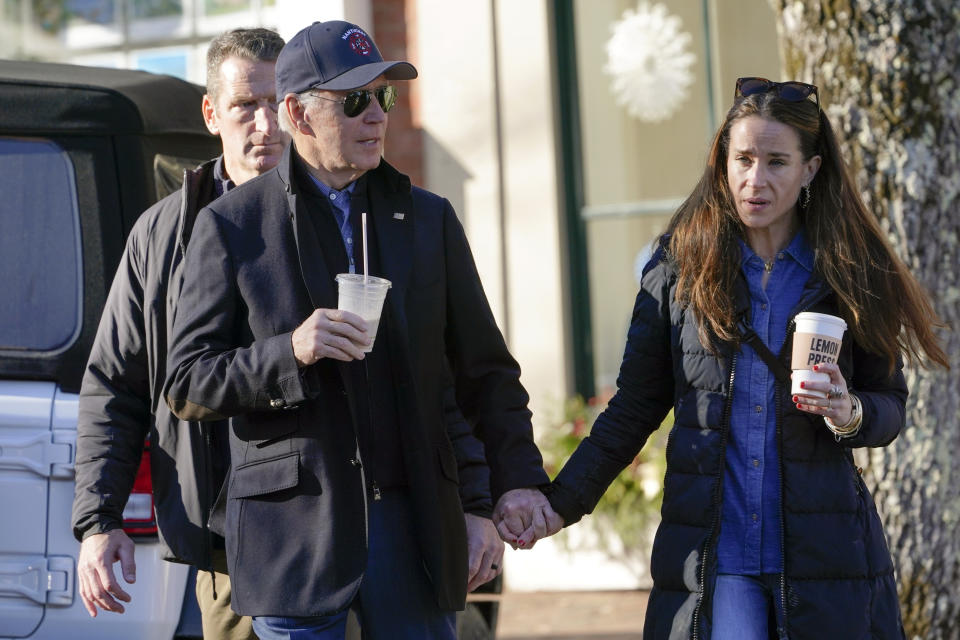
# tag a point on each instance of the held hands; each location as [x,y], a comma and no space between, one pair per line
[485,560]
[98,584]
[837,405]
[524,516]
[330,333]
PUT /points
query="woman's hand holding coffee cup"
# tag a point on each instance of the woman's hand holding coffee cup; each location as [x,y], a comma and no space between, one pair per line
[836,405]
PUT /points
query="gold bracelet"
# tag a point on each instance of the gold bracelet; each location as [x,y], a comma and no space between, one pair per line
[852,427]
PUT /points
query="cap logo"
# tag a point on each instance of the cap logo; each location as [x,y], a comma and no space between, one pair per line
[358,41]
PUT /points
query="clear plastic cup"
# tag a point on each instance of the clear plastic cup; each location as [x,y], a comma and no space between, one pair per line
[364,296]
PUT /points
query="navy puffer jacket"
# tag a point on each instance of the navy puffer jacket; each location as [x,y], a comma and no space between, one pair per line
[838,580]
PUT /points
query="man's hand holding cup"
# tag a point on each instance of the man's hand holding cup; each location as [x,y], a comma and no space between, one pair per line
[331,333]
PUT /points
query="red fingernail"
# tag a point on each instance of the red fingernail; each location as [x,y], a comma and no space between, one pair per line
[520,543]
[816,367]
[798,405]
[796,399]
[803,385]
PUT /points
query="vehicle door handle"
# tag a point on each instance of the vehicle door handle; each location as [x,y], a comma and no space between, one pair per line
[47,453]
[42,580]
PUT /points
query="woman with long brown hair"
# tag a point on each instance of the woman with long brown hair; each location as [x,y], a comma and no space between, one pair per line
[768,530]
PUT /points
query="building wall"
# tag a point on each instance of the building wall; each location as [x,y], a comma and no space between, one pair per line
[394,29]
[486,106]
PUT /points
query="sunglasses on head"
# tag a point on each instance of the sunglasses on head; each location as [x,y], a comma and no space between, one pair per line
[789,91]
[355,102]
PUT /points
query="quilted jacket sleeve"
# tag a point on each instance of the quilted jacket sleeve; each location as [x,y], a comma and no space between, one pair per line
[645,392]
[884,399]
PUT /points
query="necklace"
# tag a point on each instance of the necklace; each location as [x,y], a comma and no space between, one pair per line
[768,264]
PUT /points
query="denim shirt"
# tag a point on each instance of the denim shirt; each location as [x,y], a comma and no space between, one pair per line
[340,205]
[749,541]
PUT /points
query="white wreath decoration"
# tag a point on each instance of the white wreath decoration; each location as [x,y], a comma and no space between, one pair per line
[650,63]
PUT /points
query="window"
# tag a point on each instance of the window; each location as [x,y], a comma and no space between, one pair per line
[95,11]
[215,7]
[653,81]
[172,62]
[156,8]
[39,247]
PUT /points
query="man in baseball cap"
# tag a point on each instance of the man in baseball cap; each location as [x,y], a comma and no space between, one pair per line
[352,465]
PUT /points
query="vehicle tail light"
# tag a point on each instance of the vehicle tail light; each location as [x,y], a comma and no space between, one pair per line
[138,519]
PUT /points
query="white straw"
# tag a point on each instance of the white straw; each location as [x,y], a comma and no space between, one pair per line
[363,224]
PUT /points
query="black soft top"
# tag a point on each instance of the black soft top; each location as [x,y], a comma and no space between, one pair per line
[119,129]
[39,97]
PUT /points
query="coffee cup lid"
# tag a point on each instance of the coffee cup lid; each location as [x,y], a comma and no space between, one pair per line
[823,318]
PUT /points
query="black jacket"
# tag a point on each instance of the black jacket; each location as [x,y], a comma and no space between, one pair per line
[120,398]
[838,580]
[122,387]
[295,513]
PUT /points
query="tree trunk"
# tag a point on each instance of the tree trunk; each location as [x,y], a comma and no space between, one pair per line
[888,77]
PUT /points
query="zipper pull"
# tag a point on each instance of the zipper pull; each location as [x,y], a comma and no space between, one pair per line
[376,490]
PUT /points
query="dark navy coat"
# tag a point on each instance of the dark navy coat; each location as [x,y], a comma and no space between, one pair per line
[295,524]
[838,580]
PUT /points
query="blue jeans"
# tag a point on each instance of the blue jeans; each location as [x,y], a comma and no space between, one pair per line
[396,598]
[747,607]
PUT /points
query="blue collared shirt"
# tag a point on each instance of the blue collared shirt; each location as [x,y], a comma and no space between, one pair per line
[749,541]
[340,205]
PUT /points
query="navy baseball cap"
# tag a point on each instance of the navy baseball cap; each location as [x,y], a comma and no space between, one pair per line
[334,55]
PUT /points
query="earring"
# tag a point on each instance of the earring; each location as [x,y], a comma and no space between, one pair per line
[806,196]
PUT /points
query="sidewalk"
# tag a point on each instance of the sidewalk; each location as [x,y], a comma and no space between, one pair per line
[572,615]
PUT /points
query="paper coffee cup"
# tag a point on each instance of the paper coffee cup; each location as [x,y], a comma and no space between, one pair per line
[364,296]
[817,340]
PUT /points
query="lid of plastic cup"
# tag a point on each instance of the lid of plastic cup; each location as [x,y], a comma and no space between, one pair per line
[359,277]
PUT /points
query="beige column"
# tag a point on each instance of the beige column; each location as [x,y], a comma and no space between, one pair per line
[487,114]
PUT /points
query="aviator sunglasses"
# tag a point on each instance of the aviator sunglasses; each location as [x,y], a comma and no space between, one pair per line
[355,102]
[789,91]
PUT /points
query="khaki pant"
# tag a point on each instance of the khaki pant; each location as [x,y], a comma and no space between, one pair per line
[218,619]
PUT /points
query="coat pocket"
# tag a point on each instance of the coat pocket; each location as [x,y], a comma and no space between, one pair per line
[264,428]
[448,464]
[261,477]
[217,515]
